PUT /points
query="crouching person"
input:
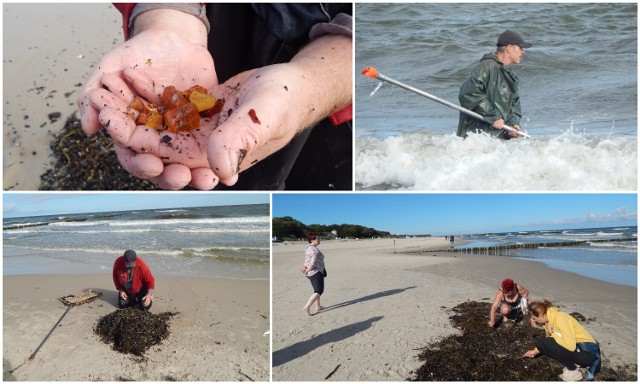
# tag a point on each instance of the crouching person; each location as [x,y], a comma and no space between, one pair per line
[134,281]
[566,341]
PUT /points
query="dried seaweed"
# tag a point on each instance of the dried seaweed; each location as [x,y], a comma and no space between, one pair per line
[482,353]
[132,330]
[84,162]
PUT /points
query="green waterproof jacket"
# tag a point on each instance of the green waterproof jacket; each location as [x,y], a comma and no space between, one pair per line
[492,91]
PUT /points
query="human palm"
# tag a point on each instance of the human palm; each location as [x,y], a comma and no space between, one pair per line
[161,55]
[264,109]
[259,117]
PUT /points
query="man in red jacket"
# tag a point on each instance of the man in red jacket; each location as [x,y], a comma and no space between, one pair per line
[133,280]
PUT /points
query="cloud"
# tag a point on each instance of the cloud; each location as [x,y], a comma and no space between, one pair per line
[10,207]
[618,215]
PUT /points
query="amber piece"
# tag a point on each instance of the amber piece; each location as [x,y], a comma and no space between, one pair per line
[177,112]
[213,111]
[137,104]
[154,120]
[202,101]
[171,98]
[187,92]
[142,118]
[183,118]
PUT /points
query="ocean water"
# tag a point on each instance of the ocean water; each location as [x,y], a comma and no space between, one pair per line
[578,86]
[614,261]
[219,242]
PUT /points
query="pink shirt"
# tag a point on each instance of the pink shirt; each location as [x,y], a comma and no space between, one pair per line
[313,260]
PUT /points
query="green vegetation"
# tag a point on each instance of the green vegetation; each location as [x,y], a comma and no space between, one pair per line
[288,228]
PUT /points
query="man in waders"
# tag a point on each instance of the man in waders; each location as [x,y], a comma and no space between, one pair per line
[134,281]
[492,90]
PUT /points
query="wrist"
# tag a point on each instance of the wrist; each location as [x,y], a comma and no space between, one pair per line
[326,68]
[187,26]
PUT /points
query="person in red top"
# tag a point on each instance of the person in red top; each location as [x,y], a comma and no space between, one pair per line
[510,303]
[134,281]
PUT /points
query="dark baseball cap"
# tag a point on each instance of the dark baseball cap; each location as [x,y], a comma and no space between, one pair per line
[130,258]
[509,37]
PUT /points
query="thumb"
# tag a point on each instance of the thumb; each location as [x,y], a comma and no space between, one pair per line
[245,138]
[144,85]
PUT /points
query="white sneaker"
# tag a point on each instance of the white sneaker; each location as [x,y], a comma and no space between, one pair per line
[568,375]
[588,376]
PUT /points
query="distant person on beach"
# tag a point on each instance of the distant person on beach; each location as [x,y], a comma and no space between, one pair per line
[134,281]
[314,270]
[566,341]
[284,71]
[510,303]
[491,90]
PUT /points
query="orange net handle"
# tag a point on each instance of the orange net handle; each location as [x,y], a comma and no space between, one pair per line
[370,72]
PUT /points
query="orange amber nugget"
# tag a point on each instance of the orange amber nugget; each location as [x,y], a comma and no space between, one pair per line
[179,111]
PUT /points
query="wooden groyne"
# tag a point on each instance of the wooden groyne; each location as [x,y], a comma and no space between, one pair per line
[24,226]
[502,249]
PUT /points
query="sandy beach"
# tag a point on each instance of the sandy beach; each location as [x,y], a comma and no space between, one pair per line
[383,306]
[49,51]
[218,335]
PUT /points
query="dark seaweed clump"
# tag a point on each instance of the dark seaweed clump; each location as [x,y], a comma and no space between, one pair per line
[132,330]
[83,162]
[482,353]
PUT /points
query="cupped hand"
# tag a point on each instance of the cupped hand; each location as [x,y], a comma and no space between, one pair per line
[170,160]
[163,55]
[261,114]
[264,110]
[168,59]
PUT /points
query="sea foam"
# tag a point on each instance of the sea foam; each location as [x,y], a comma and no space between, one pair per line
[570,161]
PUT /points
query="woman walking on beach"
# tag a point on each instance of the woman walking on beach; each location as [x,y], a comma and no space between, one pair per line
[566,341]
[314,270]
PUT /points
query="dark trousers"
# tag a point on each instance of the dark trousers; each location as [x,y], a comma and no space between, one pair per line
[594,348]
[570,359]
[317,282]
[134,300]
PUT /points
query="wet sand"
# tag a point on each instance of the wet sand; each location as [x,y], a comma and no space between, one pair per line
[48,52]
[384,306]
[218,335]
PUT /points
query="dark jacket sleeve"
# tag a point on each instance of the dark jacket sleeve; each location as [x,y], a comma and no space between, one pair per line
[474,93]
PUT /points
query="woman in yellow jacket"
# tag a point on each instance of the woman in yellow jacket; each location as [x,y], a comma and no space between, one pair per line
[566,341]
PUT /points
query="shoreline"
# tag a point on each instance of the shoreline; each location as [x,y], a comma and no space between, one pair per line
[26,261]
[383,307]
[218,335]
[49,51]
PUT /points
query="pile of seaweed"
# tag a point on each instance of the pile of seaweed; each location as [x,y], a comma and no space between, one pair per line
[482,353]
[83,162]
[132,330]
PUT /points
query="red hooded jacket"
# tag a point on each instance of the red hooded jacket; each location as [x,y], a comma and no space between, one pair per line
[142,277]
